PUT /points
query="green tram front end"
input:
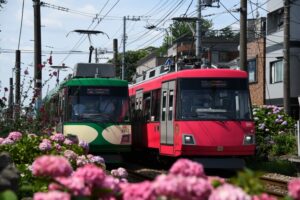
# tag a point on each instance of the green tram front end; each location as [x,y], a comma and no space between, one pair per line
[95,110]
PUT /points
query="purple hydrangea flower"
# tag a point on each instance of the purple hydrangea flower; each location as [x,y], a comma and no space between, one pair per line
[45,145]
[84,145]
[81,161]
[70,155]
[98,160]
[119,173]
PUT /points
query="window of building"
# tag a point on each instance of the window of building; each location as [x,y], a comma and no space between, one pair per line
[275,21]
[252,69]
[276,71]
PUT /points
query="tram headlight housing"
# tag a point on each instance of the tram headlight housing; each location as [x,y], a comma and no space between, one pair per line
[188,139]
[249,139]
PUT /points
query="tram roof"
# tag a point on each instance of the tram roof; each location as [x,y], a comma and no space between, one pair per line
[87,82]
[155,82]
[95,82]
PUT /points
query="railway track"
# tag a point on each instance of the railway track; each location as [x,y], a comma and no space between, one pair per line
[276,184]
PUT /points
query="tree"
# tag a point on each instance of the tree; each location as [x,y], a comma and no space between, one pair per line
[2,2]
[131,58]
[179,29]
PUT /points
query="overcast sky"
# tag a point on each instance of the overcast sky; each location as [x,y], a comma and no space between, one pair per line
[103,15]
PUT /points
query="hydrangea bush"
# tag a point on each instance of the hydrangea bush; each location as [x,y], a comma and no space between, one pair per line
[275,131]
[25,148]
[185,180]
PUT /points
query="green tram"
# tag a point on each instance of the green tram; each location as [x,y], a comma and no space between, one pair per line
[93,108]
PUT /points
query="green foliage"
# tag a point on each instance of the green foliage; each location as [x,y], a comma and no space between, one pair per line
[131,59]
[274,132]
[249,181]
[272,166]
[25,151]
[8,195]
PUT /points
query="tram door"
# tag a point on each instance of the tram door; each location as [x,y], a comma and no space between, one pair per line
[167,117]
[138,125]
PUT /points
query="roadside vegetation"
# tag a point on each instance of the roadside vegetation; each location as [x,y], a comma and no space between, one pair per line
[44,163]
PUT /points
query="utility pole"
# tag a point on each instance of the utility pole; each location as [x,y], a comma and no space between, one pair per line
[124,44]
[37,52]
[124,40]
[243,35]
[18,74]
[11,98]
[286,58]
[198,32]
[115,52]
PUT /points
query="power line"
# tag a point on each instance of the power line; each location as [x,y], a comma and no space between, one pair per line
[228,11]
[20,33]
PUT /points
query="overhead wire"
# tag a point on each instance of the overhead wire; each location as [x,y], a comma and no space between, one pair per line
[82,39]
[21,25]
[170,11]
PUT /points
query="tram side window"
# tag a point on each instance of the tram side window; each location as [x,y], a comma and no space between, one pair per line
[155,105]
[146,106]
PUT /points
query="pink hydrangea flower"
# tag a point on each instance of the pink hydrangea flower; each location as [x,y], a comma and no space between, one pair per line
[294,188]
[91,174]
[15,136]
[228,191]
[68,142]
[7,141]
[45,145]
[52,195]
[57,137]
[53,166]
[54,186]
[1,140]
[182,187]
[138,191]
[112,184]
[263,196]
[187,167]
[76,185]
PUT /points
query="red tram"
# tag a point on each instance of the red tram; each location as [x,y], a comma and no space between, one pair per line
[202,114]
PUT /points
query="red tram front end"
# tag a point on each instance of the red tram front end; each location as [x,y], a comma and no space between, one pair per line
[202,114]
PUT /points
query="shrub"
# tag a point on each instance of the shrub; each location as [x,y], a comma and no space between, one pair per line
[274,131]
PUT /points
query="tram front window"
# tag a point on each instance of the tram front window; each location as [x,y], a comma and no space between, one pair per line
[109,105]
[213,99]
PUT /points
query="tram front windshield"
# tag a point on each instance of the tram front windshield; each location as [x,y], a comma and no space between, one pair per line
[98,104]
[213,99]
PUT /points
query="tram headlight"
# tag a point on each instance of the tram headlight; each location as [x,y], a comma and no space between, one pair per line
[249,139]
[188,139]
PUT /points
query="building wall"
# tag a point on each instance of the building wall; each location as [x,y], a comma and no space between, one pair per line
[274,52]
[256,50]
